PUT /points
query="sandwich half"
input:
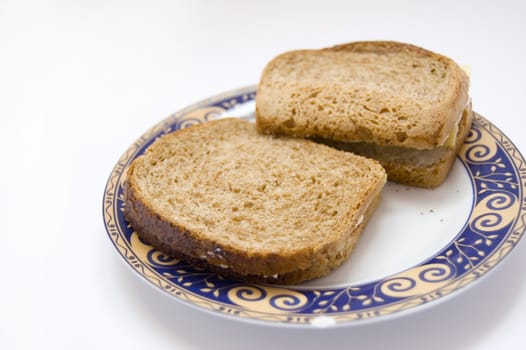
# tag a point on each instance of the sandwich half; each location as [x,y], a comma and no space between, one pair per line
[405,106]
[249,206]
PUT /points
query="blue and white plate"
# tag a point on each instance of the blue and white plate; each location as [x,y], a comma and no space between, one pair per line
[419,247]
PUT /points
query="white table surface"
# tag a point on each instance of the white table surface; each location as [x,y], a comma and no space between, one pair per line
[81,80]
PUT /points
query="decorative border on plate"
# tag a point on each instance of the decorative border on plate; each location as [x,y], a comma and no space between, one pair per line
[495,225]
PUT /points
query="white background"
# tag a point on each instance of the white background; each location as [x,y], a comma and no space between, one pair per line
[81,80]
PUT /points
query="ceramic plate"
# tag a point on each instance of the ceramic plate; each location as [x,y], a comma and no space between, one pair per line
[420,246]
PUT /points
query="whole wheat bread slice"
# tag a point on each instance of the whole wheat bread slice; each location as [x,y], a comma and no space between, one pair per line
[251,206]
[377,93]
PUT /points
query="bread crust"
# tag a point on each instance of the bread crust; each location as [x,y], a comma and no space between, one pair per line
[426,128]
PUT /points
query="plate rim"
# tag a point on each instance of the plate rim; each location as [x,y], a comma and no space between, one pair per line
[188,297]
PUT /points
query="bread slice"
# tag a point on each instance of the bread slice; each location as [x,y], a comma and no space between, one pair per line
[377,93]
[255,207]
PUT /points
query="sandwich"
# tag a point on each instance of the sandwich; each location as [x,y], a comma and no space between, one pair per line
[254,207]
[405,106]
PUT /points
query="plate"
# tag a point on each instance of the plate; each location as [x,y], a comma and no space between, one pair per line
[419,247]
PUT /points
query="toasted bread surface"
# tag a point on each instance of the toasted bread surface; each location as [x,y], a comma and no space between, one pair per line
[381,92]
[251,206]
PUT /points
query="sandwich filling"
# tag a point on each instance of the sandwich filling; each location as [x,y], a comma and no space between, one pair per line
[411,166]
[450,140]
[415,157]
